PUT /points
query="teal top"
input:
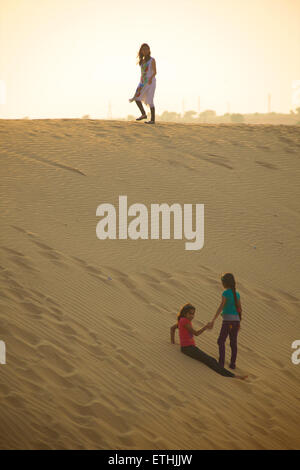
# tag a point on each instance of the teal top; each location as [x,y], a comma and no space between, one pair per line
[229,311]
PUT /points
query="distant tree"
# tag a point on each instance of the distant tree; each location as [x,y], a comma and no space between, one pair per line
[86,116]
[189,115]
[207,115]
[169,116]
[130,117]
[237,118]
[298,111]
[26,117]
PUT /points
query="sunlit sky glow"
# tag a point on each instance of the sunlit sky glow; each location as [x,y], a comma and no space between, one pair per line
[67,58]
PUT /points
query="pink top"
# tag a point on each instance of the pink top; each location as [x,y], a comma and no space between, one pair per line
[186,338]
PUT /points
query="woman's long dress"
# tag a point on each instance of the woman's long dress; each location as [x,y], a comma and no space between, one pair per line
[145,91]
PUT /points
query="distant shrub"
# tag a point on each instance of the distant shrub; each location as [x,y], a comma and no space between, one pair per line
[189,116]
[207,115]
[237,118]
[170,116]
[86,116]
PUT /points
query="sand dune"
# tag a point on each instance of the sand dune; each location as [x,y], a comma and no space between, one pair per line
[86,322]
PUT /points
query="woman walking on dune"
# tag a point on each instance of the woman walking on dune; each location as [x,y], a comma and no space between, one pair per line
[146,88]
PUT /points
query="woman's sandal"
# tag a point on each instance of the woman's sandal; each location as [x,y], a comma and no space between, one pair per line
[143,116]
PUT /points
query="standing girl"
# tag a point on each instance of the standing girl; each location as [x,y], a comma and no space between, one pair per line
[187,342]
[146,87]
[232,314]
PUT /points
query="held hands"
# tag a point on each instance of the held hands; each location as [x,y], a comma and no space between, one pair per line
[210,325]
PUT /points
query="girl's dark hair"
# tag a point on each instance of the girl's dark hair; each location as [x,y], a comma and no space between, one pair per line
[184,310]
[229,282]
[140,55]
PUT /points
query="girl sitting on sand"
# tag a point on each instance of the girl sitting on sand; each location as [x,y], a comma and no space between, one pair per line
[232,315]
[146,87]
[187,342]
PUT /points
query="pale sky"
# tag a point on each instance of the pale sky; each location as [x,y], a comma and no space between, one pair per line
[67,58]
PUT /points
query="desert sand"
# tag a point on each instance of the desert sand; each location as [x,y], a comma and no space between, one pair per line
[86,321]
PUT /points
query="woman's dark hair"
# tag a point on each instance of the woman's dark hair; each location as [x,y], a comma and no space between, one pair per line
[229,282]
[184,310]
[140,55]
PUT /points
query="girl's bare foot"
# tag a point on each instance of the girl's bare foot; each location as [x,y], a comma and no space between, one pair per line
[242,377]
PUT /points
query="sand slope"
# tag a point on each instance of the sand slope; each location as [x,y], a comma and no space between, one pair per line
[86,322]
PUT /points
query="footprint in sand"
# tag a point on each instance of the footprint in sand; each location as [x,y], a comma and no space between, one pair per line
[270,166]
[94,349]
[289,374]
[49,252]
[149,279]
[24,335]
[24,263]
[213,281]
[162,274]
[99,410]
[278,363]
[205,268]
[38,294]
[129,358]
[291,150]
[33,309]
[260,412]
[266,296]
[219,160]
[50,300]
[14,252]
[285,140]
[3,295]
[263,147]
[93,270]
[179,164]
[19,293]
[79,261]
[50,375]
[289,297]
[53,354]
[160,308]
[20,259]
[122,326]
